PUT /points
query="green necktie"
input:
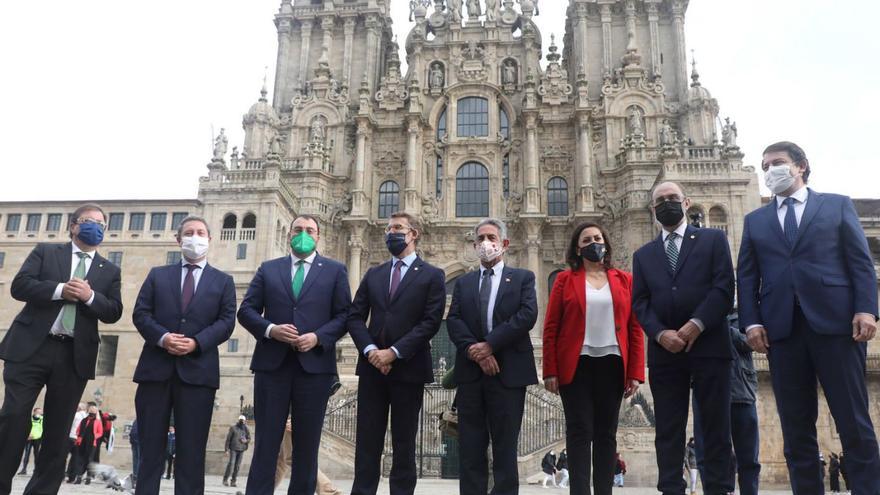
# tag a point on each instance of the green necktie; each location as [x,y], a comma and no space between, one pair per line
[68,313]
[299,277]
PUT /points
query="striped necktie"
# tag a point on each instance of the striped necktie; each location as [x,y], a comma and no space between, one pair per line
[672,251]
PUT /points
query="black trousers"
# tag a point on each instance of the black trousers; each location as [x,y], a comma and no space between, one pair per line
[31,445]
[592,405]
[85,452]
[839,363]
[489,410]
[71,463]
[52,367]
[192,406]
[671,387]
[377,395]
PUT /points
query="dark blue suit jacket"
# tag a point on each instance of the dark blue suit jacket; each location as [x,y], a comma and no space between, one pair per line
[829,269]
[321,308]
[701,287]
[514,316]
[407,321]
[209,320]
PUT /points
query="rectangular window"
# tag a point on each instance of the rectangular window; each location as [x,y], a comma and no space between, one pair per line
[2,258]
[172,258]
[115,257]
[53,222]
[157,221]
[33,222]
[13,222]
[176,218]
[232,345]
[473,117]
[242,252]
[107,355]
[117,220]
[136,221]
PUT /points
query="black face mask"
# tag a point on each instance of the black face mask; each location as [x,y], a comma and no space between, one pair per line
[396,243]
[669,213]
[594,252]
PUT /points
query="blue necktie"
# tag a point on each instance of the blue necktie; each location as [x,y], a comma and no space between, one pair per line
[790,223]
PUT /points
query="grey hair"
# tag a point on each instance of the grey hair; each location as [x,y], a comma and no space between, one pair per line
[499,224]
[192,218]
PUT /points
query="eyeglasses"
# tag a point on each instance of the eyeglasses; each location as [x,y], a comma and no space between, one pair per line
[309,230]
[397,228]
[80,221]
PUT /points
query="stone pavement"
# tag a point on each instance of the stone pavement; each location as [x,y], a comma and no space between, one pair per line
[424,487]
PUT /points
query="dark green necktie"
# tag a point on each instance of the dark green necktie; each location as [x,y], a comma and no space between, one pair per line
[299,277]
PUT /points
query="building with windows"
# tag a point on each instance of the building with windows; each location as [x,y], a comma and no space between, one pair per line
[477,126]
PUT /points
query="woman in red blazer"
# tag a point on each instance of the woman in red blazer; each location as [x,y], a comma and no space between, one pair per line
[594,354]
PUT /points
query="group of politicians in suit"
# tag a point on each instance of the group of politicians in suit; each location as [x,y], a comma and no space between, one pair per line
[807,297]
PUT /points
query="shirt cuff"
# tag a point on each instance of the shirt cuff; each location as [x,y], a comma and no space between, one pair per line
[268,329]
[867,314]
[161,342]
[396,352]
[698,323]
[91,299]
[371,347]
[752,326]
[56,296]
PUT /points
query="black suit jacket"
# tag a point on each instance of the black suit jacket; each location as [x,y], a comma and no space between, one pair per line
[514,316]
[209,320]
[406,322]
[47,266]
[701,287]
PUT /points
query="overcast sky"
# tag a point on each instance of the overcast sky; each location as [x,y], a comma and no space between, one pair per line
[109,99]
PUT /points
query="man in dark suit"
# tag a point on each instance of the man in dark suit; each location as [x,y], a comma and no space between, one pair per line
[404,300]
[682,292]
[493,310]
[296,308]
[184,311]
[808,298]
[53,343]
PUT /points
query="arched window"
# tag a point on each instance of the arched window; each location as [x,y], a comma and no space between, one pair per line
[389,198]
[248,227]
[557,197]
[472,191]
[473,117]
[230,223]
[718,218]
[505,123]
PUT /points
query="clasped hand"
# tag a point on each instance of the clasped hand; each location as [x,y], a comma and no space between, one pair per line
[178,344]
[682,339]
[382,359]
[76,289]
[290,335]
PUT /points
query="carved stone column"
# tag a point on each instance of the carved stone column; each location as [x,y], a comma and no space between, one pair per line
[281,65]
[327,24]
[306,34]
[678,24]
[411,200]
[533,262]
[371,67]
[533,202]
[653,19]
[607,48]
[585,165]
[359,196]
[349,25]
[355,251]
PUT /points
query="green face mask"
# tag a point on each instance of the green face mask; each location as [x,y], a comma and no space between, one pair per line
[302,243]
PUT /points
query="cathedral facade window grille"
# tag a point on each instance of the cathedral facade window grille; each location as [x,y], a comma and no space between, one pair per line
[472,191]
[557,197]
[248,227]
[504,124]
[389,198]
[438,168]
[473,117]
[505,176]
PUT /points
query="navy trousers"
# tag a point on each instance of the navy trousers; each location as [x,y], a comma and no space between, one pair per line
[744,433]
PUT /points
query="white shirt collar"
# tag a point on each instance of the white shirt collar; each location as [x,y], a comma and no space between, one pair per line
[680,231]
[76,249]
[200,264]
[408,261]
[308,259]
[800,196]
[496,270]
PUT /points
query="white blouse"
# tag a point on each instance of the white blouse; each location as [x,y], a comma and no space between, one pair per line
[600,338]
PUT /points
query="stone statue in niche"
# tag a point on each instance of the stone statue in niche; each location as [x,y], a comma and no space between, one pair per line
[508,72]
[221,142]
[635,122]
[665,134]
[491,10]
[728,134]
[455,10]
[317,134]
[473,8]
[412,8]
[437,78]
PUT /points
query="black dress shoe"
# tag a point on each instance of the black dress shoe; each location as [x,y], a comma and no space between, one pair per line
[78,481]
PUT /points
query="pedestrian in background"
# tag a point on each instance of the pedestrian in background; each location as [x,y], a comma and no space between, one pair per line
[35,438]
[238,440]
[170,451]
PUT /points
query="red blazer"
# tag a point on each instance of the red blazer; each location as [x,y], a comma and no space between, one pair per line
[566,318]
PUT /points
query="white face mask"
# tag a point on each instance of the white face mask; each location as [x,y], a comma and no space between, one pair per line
[778,178]
[194,247]
[489,251]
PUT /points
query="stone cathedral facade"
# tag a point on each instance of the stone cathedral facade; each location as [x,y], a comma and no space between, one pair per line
[491,118]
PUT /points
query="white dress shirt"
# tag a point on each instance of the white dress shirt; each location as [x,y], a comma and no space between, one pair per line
[800,203]
[309,260]
[679,240]
[407,262]
[57,328]
[496,282]
[600,337]
[197,275]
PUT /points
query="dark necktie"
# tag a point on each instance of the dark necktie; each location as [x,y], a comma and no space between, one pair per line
[189,286]
[672,251]
[485,295]
[395,278]
[790,222]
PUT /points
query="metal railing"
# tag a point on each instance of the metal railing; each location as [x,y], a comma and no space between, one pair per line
[227,234]
[247,234]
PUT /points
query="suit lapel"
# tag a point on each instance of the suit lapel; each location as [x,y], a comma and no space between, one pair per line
[284,274]
[174,273]
[207,277]
[771,216]
[659,251]
[96,267]
[64,255]
[314,273]
[411,273]
[384,272]
[691,235]
[475,291]
[814,204]
[503,287]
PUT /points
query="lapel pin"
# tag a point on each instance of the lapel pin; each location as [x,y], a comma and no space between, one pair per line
[507,280]
[416,268]
[101,265]
[693,236]
[320,264]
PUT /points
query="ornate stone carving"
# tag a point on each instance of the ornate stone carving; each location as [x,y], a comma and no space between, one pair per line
[221,142]
[473,8]
[472,68]
[554,88]
[392,92]
[437,76]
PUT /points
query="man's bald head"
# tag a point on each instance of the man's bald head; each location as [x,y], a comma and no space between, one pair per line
[667,190]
